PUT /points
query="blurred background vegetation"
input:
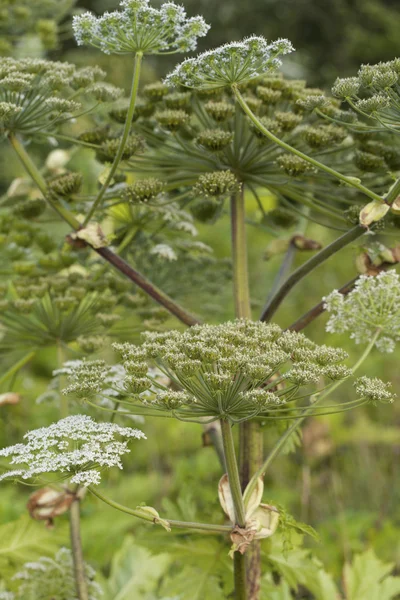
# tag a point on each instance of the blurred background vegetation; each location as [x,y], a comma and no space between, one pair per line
[345,481]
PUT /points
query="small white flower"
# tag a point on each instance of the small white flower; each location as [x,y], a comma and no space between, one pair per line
[164,251]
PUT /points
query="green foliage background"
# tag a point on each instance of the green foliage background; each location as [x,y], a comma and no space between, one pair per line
[350,492]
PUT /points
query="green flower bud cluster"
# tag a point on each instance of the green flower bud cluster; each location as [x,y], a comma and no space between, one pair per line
[219,111]
[143,190]
[171,119]
[214,139]
[374,93]
[39,95]
[134,145]
[65,185]
[216,184]
[138,27]
[294,165]
[373,305]
[237,370]
[324,136]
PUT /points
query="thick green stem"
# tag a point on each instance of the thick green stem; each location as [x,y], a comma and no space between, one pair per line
[151,519]
[76,544]
[239,568]
[296,424]
[352,181]
[124,137]
[250,433]
[239,560]
[233,472]
[307,267]
[239,257]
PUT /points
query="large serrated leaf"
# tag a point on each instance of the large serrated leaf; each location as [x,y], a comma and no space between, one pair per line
[368,578]
[135,572]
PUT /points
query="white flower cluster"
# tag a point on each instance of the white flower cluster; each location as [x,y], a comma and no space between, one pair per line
[373,305]
[140,28]
[48,577]
[374,390]
[77,447]
[236,62]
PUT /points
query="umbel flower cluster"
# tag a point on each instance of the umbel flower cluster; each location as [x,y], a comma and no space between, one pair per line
[76,447]
[233,63]
[235,371]
[372,306]
[38,95]
[139,27]
[374,93]
[49,577]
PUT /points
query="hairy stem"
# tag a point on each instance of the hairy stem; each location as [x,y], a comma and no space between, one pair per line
[239,568]
[147,517]
[250,433]
[76,544]
[146,285]
[352,181]
[296,424]
[239,560]
[233,472]
[345,239]
[124,137]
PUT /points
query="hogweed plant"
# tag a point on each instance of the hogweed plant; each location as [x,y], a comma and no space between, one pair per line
[223,125]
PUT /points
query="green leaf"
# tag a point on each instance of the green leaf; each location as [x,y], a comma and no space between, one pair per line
[201,568]
[270,591]
[193,584]
[24,540]
[368,578]
[135,572]
[299,567]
